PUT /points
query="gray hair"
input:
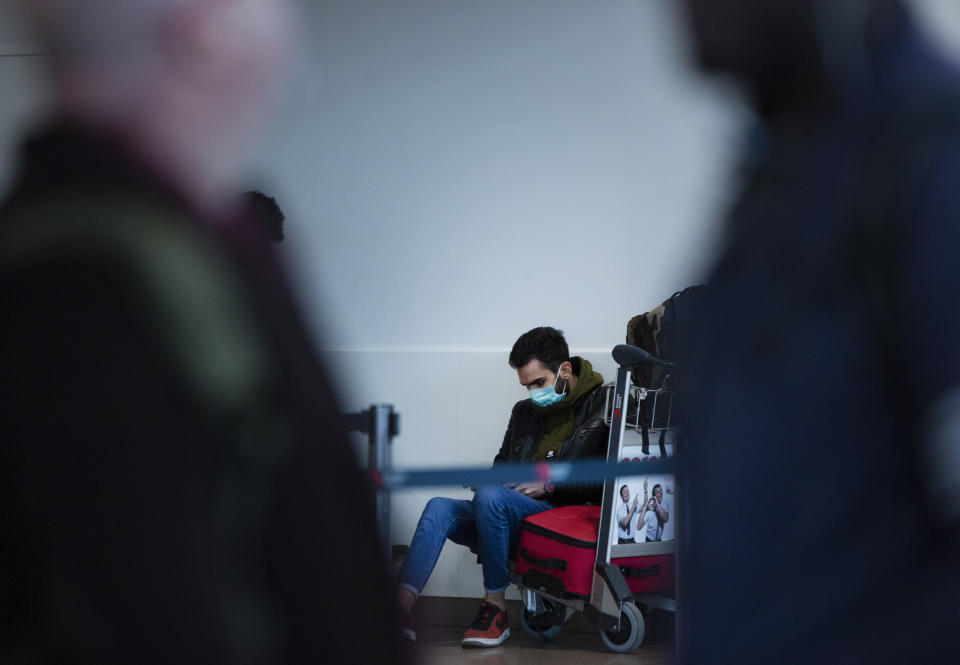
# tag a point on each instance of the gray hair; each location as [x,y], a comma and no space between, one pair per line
[97,30]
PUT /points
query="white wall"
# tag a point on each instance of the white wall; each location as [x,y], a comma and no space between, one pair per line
[22,93]
[455,173]
[471,170]
[454,409]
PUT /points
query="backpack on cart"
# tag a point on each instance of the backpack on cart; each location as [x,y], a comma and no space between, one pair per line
[666,331]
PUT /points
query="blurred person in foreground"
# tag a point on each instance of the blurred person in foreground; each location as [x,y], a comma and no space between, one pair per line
[826,419]
[176,487]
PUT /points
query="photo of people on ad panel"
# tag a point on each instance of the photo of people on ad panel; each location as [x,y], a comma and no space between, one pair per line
[644,510]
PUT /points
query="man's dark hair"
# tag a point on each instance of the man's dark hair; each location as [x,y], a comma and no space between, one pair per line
[545,344]
[621,491]
[265,209]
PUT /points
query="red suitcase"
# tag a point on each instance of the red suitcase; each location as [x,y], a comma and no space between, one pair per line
[558,549]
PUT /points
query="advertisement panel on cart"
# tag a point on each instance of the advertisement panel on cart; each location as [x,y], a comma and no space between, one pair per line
[644,507]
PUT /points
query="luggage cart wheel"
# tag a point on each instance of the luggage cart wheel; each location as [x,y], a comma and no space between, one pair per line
[543,630]
[630,635]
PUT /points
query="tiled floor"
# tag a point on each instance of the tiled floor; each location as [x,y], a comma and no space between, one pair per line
[440,645]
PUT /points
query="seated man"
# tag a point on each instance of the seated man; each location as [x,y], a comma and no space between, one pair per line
[562,420]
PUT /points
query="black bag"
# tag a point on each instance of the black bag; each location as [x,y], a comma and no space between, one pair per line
[666,332]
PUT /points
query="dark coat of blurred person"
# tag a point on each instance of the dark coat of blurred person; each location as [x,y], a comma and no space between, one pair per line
[824,463]
[174,484]
[267,212]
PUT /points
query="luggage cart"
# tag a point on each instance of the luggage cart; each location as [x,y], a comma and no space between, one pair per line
[611,604]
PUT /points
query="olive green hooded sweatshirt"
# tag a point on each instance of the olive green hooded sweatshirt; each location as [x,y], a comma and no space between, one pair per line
[558,418]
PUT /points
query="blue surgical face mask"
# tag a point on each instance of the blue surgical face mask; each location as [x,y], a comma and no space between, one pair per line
[549,395]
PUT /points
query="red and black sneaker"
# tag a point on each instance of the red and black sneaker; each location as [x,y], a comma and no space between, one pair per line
[489,628]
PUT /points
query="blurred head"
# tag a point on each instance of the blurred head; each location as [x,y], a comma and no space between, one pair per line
[183,80]
[783,50]
[657,492]
[625,493]
[754,40]
[734,36]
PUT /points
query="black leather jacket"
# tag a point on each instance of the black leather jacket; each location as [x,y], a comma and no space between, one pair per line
[590,436]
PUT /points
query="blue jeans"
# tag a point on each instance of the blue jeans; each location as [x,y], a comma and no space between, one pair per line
[489,525]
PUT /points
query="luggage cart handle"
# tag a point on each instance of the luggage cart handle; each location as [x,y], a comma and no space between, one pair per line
[625,354]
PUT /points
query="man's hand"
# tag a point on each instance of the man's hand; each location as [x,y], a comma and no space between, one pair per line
[532,490]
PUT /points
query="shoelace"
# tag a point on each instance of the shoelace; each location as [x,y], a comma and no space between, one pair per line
[485,616]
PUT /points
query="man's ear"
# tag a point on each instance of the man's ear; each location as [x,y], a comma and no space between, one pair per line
[565,370]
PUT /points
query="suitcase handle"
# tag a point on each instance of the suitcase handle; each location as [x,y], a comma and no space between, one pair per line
[549,564]
[649,571]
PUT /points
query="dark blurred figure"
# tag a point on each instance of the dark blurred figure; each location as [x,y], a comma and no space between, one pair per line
[824,470]
[175,486]
[266,211]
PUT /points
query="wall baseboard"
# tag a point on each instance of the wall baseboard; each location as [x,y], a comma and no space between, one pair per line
[14,49]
